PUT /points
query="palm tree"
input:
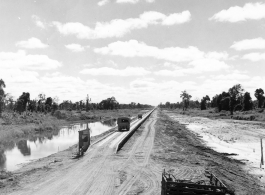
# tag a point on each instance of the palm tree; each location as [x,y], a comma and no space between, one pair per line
[185,99]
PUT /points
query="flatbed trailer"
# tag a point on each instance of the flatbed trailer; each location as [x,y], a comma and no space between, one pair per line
[172,186]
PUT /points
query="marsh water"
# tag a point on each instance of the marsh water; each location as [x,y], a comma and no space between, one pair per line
[43,144]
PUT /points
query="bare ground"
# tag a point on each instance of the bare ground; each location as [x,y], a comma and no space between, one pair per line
[160,143]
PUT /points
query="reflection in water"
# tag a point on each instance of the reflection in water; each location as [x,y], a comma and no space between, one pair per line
[23,147]
[42,144]
[2,160]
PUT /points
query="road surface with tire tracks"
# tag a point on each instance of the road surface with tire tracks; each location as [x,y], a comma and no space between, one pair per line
[98,171]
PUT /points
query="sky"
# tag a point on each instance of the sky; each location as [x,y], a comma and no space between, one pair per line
[145,51]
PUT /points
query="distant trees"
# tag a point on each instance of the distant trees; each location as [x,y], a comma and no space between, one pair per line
[204,101]
[259,95]
[247,102]
[22,101]
[109,104]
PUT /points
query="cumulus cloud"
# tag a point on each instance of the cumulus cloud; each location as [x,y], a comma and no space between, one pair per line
[217,55]
[106,71]
[177,18]
[120,27]
[170,73]
[208,65]
[250,11]
[103,2]
[38,22]
[15,75]
[247,44]
[254,57]
[195,67]
[75,47]
[32,43]
[22,60]
[133,48]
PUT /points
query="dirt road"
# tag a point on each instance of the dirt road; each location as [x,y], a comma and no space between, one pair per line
[101,171]
[160,143]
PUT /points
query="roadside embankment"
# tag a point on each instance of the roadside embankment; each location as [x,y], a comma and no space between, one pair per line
[185,155]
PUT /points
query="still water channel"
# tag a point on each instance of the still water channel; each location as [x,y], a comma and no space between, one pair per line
[46,143]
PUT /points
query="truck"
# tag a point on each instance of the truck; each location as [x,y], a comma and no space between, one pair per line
[123,123]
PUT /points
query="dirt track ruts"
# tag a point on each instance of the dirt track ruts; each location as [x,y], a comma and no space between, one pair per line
[97,171]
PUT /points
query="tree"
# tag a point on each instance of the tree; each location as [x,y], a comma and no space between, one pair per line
[259,95]
[247,102]
[184,94]
[87,102]
[167,104]
[204,101]
[22,102]
[48,104]
[185,99]
[2,95]
[42,97]
[236,91]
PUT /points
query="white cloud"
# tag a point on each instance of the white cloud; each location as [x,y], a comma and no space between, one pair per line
[247,44]
[38,22]
[195,67]
[217,55]
[14,75]
[177,18]
[208,65]
[21,60]
[32,43]
[254,57]
[120,27]
[250,11]
[170,73]
[133,48]
[233,76]
[75,47]
[103,2]
[106,71]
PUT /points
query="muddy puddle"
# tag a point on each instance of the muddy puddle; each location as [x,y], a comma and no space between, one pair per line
[43,144]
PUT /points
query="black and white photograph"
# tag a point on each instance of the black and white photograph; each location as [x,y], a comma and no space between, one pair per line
[132,97]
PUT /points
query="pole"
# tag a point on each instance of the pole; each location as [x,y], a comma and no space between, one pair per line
[261,162]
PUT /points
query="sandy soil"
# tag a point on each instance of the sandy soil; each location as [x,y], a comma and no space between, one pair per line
[235,163]
[160,143]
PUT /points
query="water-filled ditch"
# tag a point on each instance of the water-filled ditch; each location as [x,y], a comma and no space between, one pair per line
[42,144]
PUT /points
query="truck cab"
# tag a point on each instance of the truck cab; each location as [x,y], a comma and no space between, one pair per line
[140,116]
[123,123]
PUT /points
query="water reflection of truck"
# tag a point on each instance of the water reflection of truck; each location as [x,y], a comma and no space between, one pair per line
[124,123]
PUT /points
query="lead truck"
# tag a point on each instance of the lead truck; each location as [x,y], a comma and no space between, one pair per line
[124,123]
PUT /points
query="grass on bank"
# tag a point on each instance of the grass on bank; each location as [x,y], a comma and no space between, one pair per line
[251,115]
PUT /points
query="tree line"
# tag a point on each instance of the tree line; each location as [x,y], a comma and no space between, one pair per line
[49,104]
[234,99]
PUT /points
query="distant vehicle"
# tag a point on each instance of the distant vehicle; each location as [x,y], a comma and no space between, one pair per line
[140,116]
[124,123]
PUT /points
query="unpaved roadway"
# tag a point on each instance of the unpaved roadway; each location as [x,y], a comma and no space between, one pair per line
[160,143]
[99,171]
